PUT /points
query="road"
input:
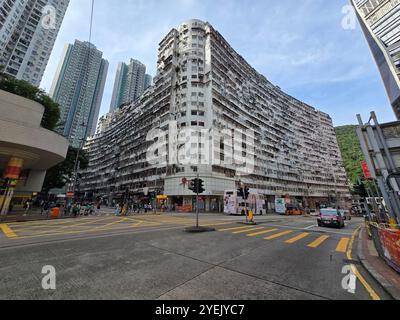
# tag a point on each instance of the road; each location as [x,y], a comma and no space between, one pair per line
[151,257]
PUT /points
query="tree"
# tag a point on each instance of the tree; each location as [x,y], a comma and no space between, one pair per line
[351,151]
[352,157]
[59,176]
[24,89]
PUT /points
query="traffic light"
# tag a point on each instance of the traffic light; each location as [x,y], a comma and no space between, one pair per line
[240,193]
[201,186]
[197,186]
[192,186]
[246,193]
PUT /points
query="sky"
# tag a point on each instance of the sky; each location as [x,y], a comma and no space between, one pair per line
[299,46]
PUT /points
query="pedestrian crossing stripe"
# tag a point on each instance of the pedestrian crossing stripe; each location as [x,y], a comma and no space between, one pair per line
[248,230]
[298,238]
[278,235]
[236,228]
[261,233]
[318,242]
[343,245]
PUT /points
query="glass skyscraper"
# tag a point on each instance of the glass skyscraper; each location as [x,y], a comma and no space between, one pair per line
[148,80]
[28,30]
[129,83]
[380,22]
[78,87]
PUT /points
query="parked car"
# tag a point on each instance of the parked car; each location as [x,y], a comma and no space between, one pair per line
[331,218]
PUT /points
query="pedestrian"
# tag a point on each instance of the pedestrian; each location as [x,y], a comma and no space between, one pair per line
[46,208]
[117,207]
[124,210]
[69,207]
[27,207]
[75,210]
[41,207]
[98,208]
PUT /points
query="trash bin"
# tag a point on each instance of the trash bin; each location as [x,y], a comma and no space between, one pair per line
[55,213]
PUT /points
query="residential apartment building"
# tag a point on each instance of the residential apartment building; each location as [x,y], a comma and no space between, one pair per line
[28,31]
[380,22]
[210,113]
[129,83]
[78,88]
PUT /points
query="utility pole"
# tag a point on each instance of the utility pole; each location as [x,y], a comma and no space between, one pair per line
[197,201]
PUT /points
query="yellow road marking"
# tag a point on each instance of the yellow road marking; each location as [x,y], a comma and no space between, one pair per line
[343,244]
[217,224]
[318,242]
[236,228]
[123,228]
[278,235]
[139,223]
[108,225]
[73,225]
[298,238]
[366,285]
[7,231]
[262,232]
[248,230]
[39,223]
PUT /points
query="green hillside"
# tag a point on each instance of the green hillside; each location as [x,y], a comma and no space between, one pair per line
[351,151]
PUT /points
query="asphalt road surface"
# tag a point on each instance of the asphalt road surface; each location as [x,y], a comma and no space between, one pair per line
[151,257]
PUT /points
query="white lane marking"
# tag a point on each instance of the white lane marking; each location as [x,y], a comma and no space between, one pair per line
[310,227]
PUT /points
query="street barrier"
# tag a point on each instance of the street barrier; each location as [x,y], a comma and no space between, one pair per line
[387,243]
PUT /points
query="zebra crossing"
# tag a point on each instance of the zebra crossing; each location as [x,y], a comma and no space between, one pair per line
[290,237]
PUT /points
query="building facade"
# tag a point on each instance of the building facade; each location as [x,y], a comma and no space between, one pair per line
[210,113]
[26,149]
[28,31]
[148,81]
[78,88]
[129,83]
[380,22]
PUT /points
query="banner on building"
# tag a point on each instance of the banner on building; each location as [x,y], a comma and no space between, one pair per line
[390,241]
[367,172]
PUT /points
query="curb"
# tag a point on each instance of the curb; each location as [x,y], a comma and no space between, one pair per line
[386,286]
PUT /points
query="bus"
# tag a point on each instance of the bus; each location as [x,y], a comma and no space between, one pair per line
[235,205]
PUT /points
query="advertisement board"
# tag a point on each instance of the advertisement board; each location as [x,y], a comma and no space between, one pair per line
[280,206]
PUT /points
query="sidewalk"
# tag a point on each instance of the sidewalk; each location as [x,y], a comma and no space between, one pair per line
[388,278]
[21,217]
